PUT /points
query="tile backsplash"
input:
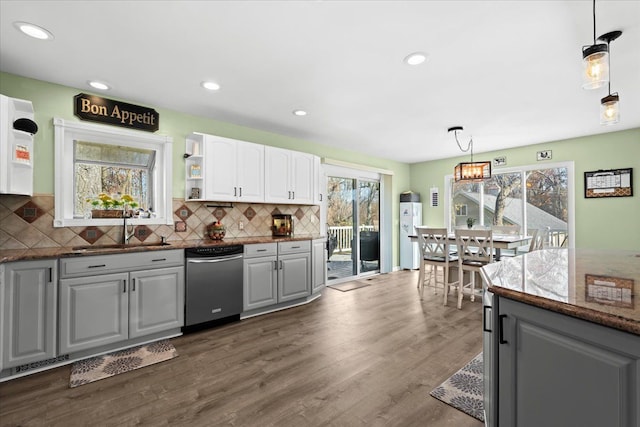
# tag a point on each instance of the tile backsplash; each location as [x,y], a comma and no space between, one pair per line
[27,222]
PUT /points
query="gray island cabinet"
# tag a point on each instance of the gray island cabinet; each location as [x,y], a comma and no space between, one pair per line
[562,340]
[106,299]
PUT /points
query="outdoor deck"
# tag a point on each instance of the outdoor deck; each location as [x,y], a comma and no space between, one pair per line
[341,265]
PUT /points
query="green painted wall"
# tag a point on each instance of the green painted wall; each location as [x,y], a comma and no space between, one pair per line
[600,223]
[607,151]
[51,100]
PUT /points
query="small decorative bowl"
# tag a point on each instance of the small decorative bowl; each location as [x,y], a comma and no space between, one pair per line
[216,231]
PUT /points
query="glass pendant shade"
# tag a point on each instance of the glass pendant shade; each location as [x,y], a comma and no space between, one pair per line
[595,63]
[474,171]
[610,109]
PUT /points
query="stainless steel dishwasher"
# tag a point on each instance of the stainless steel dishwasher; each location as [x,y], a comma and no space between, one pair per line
[213,283]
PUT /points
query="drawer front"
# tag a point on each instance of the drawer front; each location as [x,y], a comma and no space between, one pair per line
[294,247]
[104,264]
[260,249]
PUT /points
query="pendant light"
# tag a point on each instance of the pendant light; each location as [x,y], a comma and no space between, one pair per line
[609,105]
[469,171]
[595,61]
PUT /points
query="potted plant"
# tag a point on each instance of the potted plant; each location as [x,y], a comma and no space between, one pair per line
[470,222]
[105,206]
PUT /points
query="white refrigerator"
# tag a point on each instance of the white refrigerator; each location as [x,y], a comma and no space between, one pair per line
[410,216]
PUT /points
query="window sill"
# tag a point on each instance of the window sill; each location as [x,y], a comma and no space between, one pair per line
[81,222]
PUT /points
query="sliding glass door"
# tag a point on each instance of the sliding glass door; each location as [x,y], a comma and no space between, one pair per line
[529,197]
[353,227]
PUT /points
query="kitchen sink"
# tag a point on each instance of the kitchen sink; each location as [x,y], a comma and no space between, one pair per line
[117,246]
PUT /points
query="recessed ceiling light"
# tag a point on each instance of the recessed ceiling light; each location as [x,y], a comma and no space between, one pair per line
[210,85]
[299,113]
[33,31]
[98,85]
[415,58]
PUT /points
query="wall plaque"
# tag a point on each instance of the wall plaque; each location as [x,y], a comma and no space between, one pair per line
[103,110]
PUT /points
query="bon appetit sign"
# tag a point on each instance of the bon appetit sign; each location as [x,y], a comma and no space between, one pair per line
[103,110]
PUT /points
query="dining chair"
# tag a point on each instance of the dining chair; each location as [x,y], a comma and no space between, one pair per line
[434,247]
[475,250]
[536,239]
[507,230]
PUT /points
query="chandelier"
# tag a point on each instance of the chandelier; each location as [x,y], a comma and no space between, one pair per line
[469,171]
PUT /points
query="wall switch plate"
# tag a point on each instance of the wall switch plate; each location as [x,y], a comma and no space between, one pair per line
[241,225]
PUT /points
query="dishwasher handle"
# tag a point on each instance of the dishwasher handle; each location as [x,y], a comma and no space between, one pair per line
[213,260]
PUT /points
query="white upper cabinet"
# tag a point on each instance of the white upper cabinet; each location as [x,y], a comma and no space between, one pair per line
[289,176]
[319,187]
[250,168]
[228,170]
[224,169]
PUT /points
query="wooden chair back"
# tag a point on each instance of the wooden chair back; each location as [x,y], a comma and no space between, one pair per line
[475,247]
[433,243]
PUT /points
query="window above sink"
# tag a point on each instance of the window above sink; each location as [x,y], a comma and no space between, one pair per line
[100,159]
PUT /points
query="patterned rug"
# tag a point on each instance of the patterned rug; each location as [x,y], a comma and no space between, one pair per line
[463,390]
[100,367]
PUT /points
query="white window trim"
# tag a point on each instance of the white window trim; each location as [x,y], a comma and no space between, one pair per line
[68,131]
[571,202]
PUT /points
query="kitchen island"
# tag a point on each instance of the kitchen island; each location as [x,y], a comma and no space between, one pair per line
[562,339]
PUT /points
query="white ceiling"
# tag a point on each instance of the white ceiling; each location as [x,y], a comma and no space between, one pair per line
[508,71]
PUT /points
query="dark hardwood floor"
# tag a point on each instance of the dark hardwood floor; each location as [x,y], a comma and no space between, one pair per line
[365,357]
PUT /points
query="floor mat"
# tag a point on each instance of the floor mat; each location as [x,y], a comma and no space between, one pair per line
[349,286]
[464,389]
[100,367]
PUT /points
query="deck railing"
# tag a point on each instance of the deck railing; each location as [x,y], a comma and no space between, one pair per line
[344,236]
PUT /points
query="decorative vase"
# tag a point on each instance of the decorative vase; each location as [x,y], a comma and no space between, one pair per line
[216,231]
[107,213]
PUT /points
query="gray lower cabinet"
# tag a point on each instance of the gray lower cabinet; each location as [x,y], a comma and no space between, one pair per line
[276,273]
[260,282]
[29,312]
[294,276]
[318,265]
[93,311]
[556,370]
[156,301]
[102,309]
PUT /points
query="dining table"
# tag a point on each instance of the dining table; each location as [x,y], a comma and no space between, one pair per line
[500,241]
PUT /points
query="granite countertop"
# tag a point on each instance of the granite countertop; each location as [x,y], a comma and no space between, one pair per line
[8,255]
[600,286]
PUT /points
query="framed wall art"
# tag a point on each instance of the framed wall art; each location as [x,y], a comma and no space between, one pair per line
[608,183]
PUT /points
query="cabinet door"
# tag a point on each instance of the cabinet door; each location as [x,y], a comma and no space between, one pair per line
[302,182]
[558,370]
[260,282]
[93,311]
[29,312]
[220,169]
[156,301]
[294,276]
[318,265]
[250,172]
[276,178]
[318,182]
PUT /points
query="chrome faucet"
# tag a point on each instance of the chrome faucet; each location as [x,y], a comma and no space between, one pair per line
[127,233]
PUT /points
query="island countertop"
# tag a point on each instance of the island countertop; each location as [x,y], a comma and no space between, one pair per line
[600,286]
